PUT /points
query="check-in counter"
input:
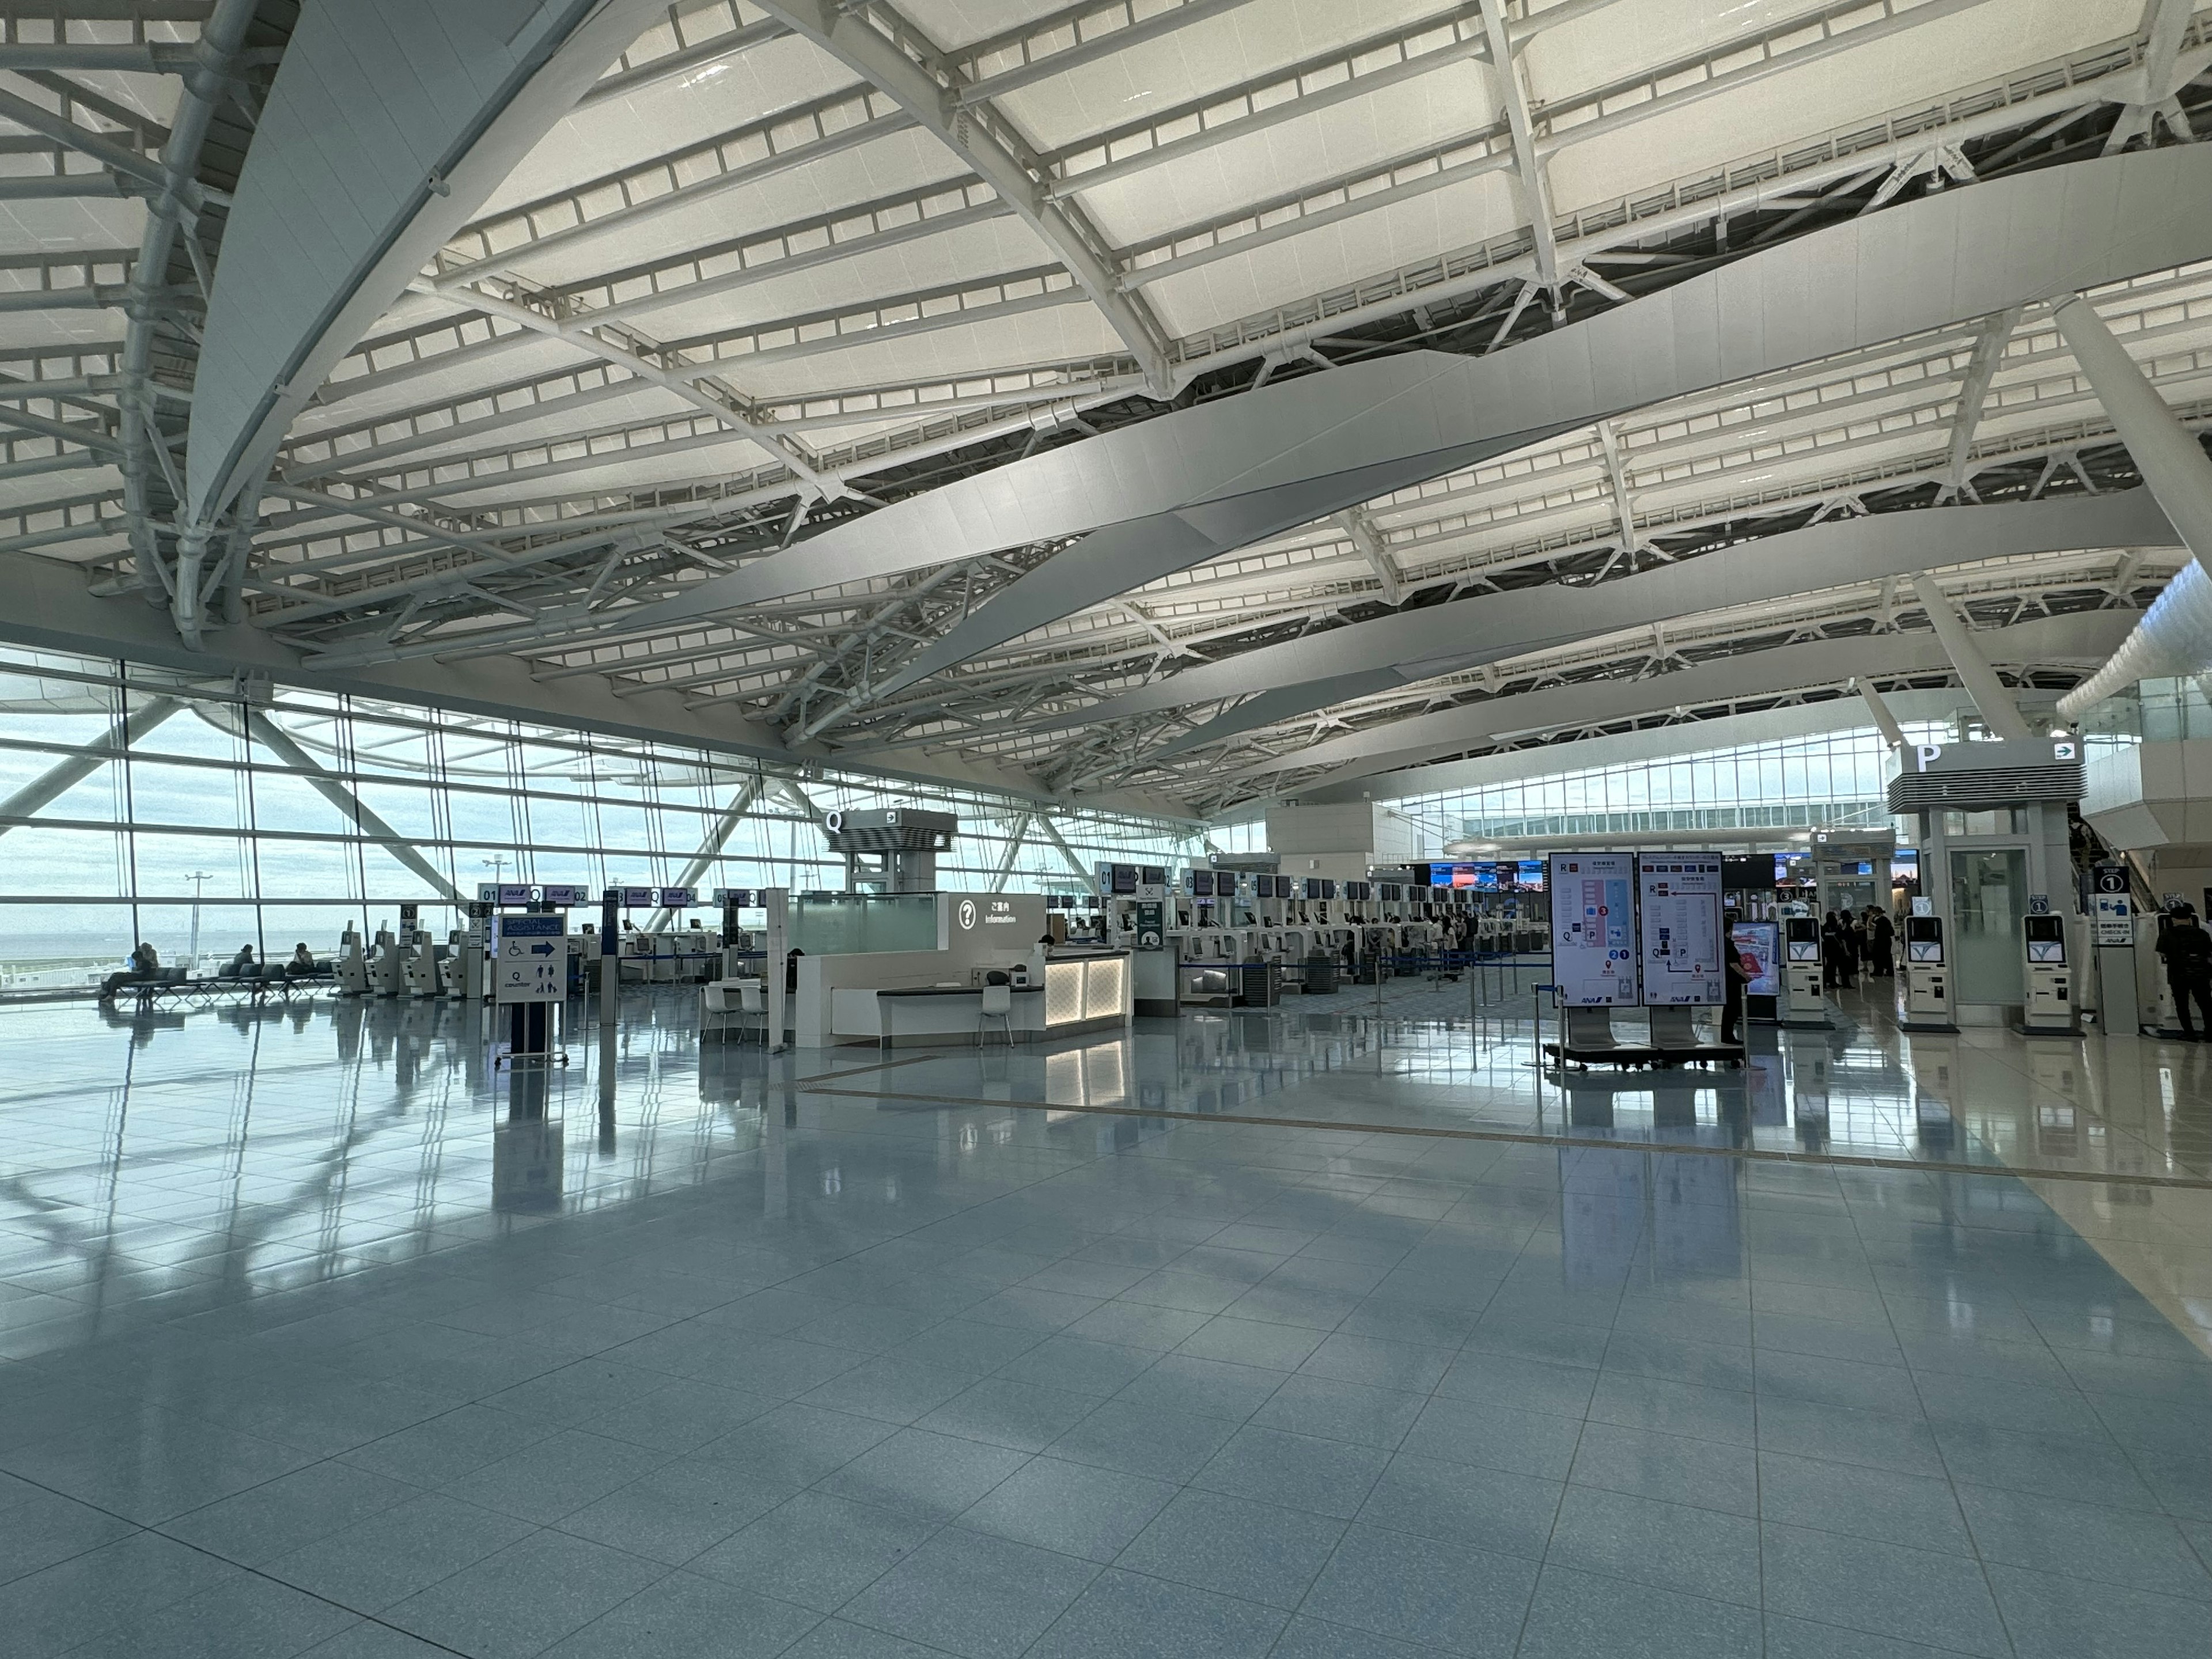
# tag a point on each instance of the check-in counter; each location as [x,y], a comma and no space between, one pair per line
[897,998]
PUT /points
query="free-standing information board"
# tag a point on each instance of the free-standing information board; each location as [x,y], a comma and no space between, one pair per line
[1679,913]
[530,958]
[1594,928]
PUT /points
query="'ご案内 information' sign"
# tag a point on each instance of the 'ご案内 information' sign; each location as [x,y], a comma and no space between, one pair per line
[1594,928]
[1679,913]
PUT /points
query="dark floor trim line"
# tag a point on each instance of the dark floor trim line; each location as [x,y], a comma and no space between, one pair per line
[1528,1138]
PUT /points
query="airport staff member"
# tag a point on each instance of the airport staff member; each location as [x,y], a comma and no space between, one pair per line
[2187,949]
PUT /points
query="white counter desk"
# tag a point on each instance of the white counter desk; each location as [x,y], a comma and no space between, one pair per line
[1087,992]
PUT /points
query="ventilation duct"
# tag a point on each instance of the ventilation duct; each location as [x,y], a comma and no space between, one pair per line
[2173,638]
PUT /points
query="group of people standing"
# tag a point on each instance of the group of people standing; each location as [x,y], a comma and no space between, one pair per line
[1855,939]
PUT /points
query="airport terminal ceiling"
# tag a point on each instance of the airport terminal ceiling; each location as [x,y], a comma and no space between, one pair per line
[967,390]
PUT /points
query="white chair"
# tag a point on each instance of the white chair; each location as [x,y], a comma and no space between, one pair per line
[750,997]
[998,1005]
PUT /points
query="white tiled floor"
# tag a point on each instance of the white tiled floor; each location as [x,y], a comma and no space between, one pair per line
[319,1337]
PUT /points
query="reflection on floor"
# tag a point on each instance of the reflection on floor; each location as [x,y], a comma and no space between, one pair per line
[318,1335]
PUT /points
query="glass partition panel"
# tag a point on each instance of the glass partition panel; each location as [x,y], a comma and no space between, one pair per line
[855,924]
[1989,896]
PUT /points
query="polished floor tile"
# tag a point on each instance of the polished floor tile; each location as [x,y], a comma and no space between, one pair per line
[317,1335]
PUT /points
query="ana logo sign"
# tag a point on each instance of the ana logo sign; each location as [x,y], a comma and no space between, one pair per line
[967,914]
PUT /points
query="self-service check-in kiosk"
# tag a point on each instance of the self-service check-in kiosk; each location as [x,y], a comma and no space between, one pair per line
[351,971]
[1927,976]
[1804,1003]
[2051,1007]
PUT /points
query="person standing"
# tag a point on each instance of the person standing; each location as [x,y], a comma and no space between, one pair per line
[1740,976]
[1842,954]
[1881,942]
[2187,949]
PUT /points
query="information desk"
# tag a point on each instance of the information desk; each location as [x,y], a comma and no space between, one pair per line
[946,1013]
[1081,993]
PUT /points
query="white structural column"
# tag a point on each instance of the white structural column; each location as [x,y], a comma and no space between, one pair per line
[1998,710]
[2163,24]
[65,774]
[1528,160]
[1885,722]
[2172,462]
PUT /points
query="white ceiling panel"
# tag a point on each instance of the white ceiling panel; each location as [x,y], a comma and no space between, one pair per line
[1200,58]
[1315,261]
[1283,160]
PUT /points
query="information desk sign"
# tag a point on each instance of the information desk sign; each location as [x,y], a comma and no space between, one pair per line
[530,958]
[1594,928]
[1679,913]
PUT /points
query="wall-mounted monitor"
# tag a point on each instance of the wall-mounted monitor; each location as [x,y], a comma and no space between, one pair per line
[565,897]
[1528,875]
[1328,887]
[1153,875]
[1124,878]
[1754,874]
[1201,883]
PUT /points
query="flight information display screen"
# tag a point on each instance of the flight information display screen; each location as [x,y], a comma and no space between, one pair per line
[1594,928]
[1679,913]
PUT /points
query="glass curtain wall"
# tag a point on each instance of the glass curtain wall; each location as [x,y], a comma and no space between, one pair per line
[201,815]
[1831,779]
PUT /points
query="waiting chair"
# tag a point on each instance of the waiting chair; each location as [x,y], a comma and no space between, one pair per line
[998,1005]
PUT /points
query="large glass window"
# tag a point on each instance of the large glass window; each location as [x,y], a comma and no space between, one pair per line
[227,816]
[1835,779]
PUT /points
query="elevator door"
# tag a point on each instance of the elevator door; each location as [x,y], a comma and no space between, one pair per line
[1989,896]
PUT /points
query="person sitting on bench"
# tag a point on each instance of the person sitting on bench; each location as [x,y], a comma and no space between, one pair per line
[144,965]
[302,962]
[240,966]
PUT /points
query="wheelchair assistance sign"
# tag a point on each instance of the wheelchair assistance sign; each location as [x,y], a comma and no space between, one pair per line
[530,958]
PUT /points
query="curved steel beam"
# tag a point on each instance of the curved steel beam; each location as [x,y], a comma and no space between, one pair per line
[2077,640]
[1301,675]
[386,127]
[941,101]
[1924,264]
